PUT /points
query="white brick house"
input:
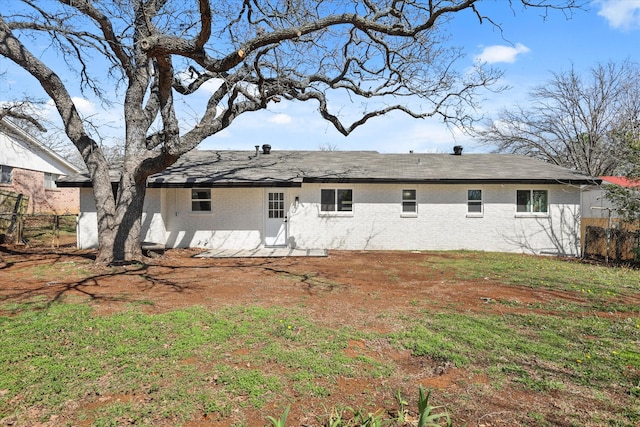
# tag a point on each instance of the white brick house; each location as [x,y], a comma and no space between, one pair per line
[357,201]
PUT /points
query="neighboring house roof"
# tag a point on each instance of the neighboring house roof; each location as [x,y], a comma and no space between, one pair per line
[621,181]
[202,168]
[10,128]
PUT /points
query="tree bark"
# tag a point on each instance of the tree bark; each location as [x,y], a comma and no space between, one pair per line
[120,242]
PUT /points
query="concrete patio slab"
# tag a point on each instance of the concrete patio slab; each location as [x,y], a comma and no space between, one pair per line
[263,253]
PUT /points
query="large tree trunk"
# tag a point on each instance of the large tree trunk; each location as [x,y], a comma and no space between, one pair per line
[120,238]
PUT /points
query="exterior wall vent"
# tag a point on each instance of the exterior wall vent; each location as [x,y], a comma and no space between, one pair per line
[457,150]
[266,149]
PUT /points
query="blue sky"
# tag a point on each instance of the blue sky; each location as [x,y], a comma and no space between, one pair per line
[528,50]
[530,47]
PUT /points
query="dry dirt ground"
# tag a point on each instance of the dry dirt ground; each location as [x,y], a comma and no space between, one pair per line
[344,288]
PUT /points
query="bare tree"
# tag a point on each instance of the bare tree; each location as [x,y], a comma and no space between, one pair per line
[574,121]
[626,199]
[252,53]
[23,111]
[327,146]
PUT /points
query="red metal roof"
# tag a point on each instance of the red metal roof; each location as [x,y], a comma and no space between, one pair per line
[621,181]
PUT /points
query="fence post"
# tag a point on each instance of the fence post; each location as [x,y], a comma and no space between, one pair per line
[19,228]
[56,227]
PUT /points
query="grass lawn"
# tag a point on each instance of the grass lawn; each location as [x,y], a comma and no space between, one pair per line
[540,341]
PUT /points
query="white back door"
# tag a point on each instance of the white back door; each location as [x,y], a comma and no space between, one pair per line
[276,219]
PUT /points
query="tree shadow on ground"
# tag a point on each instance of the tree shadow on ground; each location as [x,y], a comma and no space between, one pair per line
[135,282]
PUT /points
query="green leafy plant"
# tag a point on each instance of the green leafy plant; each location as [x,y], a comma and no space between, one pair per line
[335,418]
[364,418]
[427,417]
[282,420]
[402,411]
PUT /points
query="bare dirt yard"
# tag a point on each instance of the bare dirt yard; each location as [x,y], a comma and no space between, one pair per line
[360,290]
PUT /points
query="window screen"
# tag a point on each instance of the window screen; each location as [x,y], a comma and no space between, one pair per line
[474,201]
[201,200]
[340,200]
[409,204]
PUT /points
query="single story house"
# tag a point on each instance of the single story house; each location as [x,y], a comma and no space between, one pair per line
[356,200]
[30,168]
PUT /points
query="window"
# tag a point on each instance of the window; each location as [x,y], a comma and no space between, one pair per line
[201,200]
[5,174]
[276,205]
[409,204]
[336,200]
[532,201]
[474,202]
[50,180]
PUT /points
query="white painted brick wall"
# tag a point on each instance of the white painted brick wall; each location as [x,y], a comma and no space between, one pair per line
[235,221]
[442,223]
[87,229]
[153,229]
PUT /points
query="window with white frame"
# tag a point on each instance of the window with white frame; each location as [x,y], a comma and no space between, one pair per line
[532,201]
[5,174]
[409,202]
[474,202]
[201,200]
[50,180]
[276,205]
[336,200]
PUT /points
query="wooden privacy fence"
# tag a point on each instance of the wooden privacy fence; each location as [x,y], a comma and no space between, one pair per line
[37,229]
[610,240]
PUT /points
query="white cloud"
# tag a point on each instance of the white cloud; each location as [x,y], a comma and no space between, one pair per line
[622,14]
[280,119]
[85,107]
[497,53]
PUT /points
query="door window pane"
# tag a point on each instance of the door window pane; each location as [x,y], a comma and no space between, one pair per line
[276,205]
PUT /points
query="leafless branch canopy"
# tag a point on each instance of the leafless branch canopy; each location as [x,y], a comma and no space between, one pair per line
[255,52]
[581,122]
[22,110]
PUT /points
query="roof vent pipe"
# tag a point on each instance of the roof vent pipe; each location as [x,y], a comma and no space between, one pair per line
[257,150]
[266,149]
[457,150]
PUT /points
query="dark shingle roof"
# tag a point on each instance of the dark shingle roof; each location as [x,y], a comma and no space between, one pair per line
[201,168]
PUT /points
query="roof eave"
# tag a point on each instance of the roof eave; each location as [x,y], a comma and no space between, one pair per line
[343,180]
[573,181]
[225,184]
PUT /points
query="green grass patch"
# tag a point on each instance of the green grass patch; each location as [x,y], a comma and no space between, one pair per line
[539,352]
[539,272]
[171,365]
